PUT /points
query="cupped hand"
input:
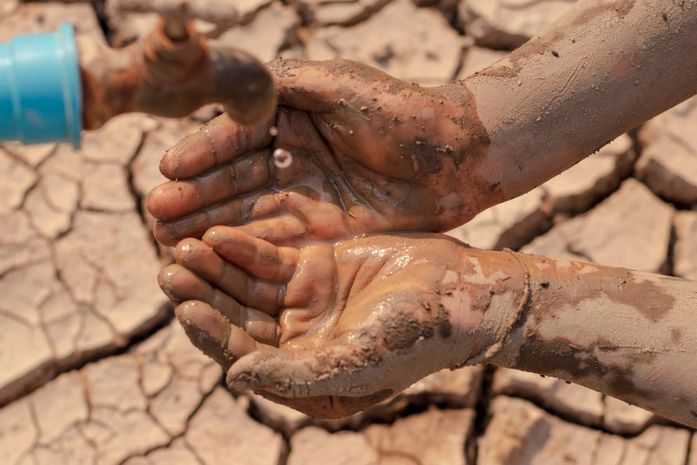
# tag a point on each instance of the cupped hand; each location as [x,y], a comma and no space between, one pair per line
[370,153]
[330,329]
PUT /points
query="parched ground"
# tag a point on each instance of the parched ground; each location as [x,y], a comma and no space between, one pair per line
[94,371]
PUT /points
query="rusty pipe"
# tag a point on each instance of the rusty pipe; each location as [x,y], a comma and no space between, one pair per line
[172,72]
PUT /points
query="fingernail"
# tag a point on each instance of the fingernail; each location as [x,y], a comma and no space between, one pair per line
[164,279]
[184,251]
[237,384]
[210,238]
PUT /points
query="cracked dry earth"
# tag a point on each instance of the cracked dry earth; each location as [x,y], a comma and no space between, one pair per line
[94,371]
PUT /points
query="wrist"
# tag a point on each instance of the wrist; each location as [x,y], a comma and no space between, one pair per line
[476,172]
[488,304]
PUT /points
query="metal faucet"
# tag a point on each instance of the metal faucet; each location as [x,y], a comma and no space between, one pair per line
[171,72]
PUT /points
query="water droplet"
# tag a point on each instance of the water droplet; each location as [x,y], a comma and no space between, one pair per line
[273,130]
[282,158]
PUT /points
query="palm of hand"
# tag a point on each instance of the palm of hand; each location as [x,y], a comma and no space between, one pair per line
[362,319]
[361,164]
[359,284]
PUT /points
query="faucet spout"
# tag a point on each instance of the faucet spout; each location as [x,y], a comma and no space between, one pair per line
[172,72]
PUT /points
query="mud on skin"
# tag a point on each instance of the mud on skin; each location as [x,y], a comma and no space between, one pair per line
[350,323]
[620,332]
[359,321]
[593,74]
[370,153]
[333,112]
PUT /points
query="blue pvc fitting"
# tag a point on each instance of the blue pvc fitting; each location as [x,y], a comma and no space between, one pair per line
[40,89]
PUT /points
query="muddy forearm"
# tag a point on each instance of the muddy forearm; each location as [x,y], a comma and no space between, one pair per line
[599,71]
[628,334]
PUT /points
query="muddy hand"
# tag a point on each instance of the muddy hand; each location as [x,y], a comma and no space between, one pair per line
[369,153]
[378,154]
[333,329]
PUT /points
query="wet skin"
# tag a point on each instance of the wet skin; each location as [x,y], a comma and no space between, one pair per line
[376,154]
[331,329]
[371,153]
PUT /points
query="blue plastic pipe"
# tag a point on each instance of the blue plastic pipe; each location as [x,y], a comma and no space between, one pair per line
[40,89]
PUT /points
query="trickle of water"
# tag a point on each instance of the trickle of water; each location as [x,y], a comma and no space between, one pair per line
[273,131]
[282,158]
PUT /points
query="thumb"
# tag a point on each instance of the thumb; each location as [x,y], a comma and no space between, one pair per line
[339,369]
[318,85]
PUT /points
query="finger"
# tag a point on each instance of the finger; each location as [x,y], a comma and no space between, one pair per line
[318,85]
[304,213]
[333,221]
[211,333]
[202,260]
[286,230]
[176,199]
[340,368]
[230,212]
[216,143]
[311,291]
[257,256]
[180,284]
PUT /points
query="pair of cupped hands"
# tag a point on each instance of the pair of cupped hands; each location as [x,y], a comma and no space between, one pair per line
[304,282]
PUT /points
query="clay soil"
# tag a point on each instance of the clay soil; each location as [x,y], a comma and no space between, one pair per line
[95,371]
